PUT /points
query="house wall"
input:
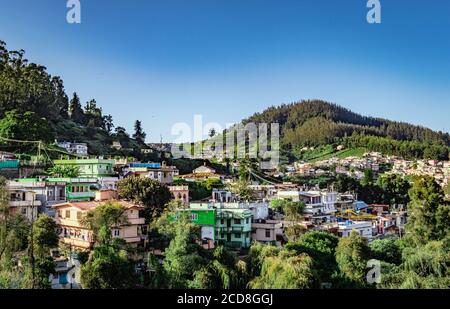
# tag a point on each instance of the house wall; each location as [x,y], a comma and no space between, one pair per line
[260,230]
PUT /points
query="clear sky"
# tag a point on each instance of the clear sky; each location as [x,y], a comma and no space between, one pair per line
[162,61]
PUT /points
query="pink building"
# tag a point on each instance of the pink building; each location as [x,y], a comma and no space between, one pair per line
[73,233]
[180,193]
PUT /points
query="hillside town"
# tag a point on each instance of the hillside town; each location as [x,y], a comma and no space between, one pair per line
[216,152]
[353,166]
[224,218]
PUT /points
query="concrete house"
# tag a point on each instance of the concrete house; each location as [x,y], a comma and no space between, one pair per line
[76,235]
[90,167]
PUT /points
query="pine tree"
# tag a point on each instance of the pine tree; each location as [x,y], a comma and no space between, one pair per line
[139,134]
[75,109]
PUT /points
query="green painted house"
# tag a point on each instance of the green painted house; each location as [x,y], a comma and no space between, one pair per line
[90,167]
[206,219]
[53,189]
[233,226]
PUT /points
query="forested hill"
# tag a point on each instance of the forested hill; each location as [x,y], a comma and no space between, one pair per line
[35,107]
[314,123]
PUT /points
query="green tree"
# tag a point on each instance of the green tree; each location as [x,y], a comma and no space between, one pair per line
[221,272]
[27,126]
[387,250]
[242,189]
[65,171]
[102,219]
[151,193]
[14,231]
[287,270]
[394,189]
[108,265]
[39,263]
[424,267]
[75,110]
[429,215]
[345,183]
[61,99]
[108,124]
[352,254]
[182,257]
[139,134]
[257,254]
[321,247]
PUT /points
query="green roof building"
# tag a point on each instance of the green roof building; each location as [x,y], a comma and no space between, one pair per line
[90,167]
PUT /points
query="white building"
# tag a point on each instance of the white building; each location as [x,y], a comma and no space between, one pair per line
[75,148]
[223,196]
[108,183]
[24,202]
[320,205]
[260,210]
[364,228]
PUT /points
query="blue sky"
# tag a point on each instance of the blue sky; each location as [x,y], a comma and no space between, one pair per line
[162,61]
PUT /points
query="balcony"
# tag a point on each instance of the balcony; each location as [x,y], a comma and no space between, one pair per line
[13,203]
[79,243]
[224,215]
[233,229]
[136,221]
[136,239]
[80,195]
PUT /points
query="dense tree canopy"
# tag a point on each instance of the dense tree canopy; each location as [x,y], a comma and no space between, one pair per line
[352,254]
[429,217]
[109,265]
[150,193]
[27,126]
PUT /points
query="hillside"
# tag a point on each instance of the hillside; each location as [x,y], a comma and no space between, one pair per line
[35,107]
[319,123]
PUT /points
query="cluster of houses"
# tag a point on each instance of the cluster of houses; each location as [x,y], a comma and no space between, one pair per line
[80,149]
[67,200]
[440,170]
[223,218]
[226,220]
[351,166]
[355,167]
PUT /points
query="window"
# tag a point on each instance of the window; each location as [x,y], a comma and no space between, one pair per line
[116,233]
[68,214]
[268,233]
[24,211]
[79,215]
[222,235]
[237,221]
[237,235]
[222,221]
[247,220]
